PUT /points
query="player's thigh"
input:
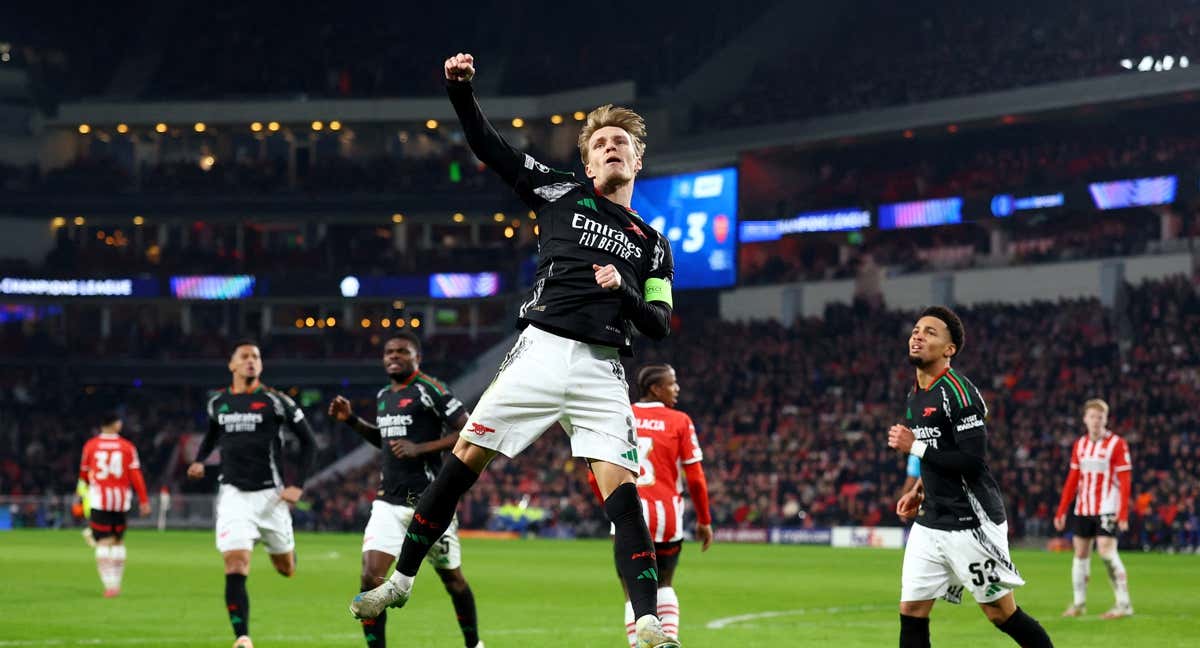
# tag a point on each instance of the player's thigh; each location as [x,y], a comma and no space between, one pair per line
[237,519]
[1082,546]
[925,574]
[275,525]
[598,417]
[525,397]
[446,552]
[1106,546]
[386,527]
[982,563]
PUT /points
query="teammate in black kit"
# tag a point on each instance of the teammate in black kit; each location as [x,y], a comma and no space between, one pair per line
[246,420]
[960,538]
[603,272]
[410,415]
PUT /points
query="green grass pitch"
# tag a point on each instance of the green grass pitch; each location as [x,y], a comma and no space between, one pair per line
[549,593]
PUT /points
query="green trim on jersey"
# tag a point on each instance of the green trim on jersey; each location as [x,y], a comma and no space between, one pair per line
[959,383]
[954,391]
[658,290]
[440,389]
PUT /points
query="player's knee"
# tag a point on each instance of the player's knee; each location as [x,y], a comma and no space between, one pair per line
[371,580]
[918,609]
[235,566]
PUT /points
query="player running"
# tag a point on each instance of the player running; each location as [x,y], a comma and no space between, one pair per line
[247,420]
[410,415]
[110,466]
[1099,481]
[603,271]
[960,538]
[666,441]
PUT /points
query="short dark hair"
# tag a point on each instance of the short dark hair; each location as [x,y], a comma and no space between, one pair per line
[110,417]
[958,334]
[405,335]
[650,375]
[243,342]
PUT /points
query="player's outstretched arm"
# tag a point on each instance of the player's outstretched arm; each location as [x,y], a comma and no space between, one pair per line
[487,145]
[340,409]
[207,445]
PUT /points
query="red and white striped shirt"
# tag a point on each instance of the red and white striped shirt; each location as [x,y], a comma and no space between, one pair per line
[110,467]
[1099,477]
[667,446]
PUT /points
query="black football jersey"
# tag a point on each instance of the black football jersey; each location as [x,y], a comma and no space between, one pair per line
[418,410]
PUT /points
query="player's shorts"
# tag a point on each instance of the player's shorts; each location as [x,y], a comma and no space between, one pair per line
[246,517]
[943,563]
[107,524]
[1091,526]
[388,525]
[547,379]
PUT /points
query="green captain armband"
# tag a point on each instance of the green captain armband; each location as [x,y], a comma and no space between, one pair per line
[658,290]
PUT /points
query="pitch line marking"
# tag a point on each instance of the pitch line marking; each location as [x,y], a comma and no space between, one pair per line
[718,624]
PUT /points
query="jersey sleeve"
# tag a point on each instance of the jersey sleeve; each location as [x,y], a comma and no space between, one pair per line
[85,463]
[1121,459]
[536,183]
[689,443]
[662,273]
[1075,455]
[965,406]
[446,405]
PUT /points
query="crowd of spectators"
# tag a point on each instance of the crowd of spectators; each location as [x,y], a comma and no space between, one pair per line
[881,54]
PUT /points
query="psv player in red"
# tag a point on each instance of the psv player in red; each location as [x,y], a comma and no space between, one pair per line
[110,467]
[666,444]
[1099,483]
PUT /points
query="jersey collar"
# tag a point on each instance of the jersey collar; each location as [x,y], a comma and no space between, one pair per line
[654,404]
[407,381]
[934,382]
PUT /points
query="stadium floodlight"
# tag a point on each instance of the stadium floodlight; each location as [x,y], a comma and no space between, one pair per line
[1168,62]
[517,122]
[1146,64]
[1127,64]
[1183,61]
[84,129]
[579,115]
[350,286]
[335,125]
[458,217]
[256,126]
[556,119]
[160,127]
[431,124]
[122,128]
[397,218]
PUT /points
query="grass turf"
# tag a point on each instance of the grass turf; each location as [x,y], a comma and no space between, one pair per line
[549,593]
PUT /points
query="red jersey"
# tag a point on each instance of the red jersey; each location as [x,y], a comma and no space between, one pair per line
[667,444]
[1099,475]
[110,467]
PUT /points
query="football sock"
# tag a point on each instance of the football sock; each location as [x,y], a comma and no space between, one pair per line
[464,609]
[374,629]
[1116,576]
[633,549]
[914,632]
[434,513]
[630,625]
[237,603]
[1026,631]
[117,554]
[104,565]
[1081,570]
[668,611]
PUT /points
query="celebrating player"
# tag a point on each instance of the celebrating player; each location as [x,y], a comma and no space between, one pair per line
[960,538]
[410,415]
[246,421]
[110,466]
[666,441]
[602,269]
[1099,462]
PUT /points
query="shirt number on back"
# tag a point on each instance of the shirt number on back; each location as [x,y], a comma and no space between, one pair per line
[108,463]
[645,467]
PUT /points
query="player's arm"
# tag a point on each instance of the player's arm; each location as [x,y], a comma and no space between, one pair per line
[693,472]
[340,409]
[517,169]
[1069,489]
[295,421]
[455,427]
[138,480]
[647,307]
[1124,469]
[454,417]
[207,445]
[85,467]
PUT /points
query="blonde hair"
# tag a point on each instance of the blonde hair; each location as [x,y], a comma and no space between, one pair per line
[1096,404]
[610,115]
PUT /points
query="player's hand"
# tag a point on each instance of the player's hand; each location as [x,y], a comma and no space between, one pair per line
[196,471]
[607,277]
[460,67]
[910,504]
[1123,525]
[901,438]
[1060,522]
[144,509]
[405,449]
[704,533]
[291,494]
[340,408]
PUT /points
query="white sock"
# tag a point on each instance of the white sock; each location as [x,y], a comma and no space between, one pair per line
[630,625]
[1116,576]
[668,611]
[1081,571]
[118,564]
[104,565]
[402,581]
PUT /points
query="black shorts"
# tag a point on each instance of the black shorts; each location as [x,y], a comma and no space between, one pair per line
[1090,526]
[107,524]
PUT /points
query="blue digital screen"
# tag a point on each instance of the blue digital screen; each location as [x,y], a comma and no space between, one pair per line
[459,285]
[921,213]
[698,213]
[833,220]
[1004,205]
[212,286]
[1138,192]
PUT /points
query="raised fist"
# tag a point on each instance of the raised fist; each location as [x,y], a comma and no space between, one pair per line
[460,67]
